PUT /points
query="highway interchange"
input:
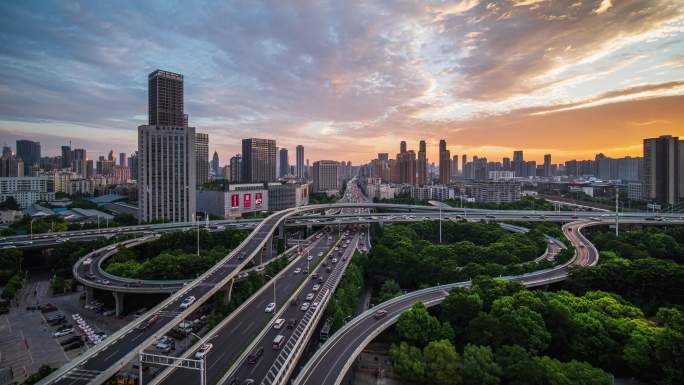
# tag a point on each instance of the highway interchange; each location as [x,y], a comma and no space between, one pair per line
[102,361]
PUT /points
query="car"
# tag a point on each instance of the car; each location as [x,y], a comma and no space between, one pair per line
[187,302]
[63,333]
[304,307]
[259,269]
[253,357]
[380,314]
[162,341]
[320,279]
[309,257]
[314,276]
[310,296]
[203,351]
[334,260]
[320,254]
[315,287]
[243,275]
[73,345]
[279,323]
[297,270]
[248,381]
[292,323]
[314,305]
[270,307]
[70,340]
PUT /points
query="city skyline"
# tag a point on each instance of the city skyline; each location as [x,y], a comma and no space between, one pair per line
[603,76]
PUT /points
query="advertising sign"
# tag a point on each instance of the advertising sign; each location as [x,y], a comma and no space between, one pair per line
[257,199]
[247,201]
[235,201]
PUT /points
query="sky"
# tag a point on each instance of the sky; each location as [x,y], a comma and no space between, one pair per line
[349,79]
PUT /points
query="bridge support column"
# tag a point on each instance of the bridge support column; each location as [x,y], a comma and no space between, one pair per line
[281,231]
[269,247]
[307,232]
[380,223]
[89,294]
[118,302]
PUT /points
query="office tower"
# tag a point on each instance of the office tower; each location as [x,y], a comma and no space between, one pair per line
[258,160]
[166,99]
[166,177]
[202,160]
[90,168]
[454,166]
[402,147]
[422,163]
[78,162]
[10,165]
[104,166]
[383,156]
[6,151]
[444,160]
[29,152]
[407,167]
[325,175]
[518,164]
[507,164]
[662,173]
[300,162]
[215,165]
[111,155]
[235,175]
[66,157]
[123,159]
[284,162]
[133,165]
[547,165]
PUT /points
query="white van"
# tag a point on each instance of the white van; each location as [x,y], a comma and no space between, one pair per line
[279,323]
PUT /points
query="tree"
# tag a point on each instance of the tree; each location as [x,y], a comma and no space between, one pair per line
[389,290]
[460,307]
[442,363]
[407,362]
[479,367]
[42,372]
[10,204]
[418,327]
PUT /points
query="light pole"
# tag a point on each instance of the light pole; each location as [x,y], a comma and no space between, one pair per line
[98,223]
[440,223]
[617,215]
[198,246]
[274,289]
[31,229]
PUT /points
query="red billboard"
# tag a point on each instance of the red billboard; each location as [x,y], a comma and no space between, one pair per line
[235,201]
[257,199]
[247,201]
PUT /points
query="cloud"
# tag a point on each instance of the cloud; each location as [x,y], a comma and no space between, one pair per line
[603,7]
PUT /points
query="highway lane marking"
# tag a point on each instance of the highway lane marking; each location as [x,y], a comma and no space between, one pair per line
[111,355]
[216,361]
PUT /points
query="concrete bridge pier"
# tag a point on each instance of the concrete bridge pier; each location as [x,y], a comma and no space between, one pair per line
[281,231]
[229,292]
[269,247]
[89,294]
[308,231]
[118,302]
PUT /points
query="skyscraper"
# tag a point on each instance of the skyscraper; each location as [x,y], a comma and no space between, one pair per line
[29,152]
[166,154]
[407,167]
[78,163]
[216,165]
[663,175]
[402,147]
[454,168]
[518,164]
[284,162]
[123,159]
[444,163]
[258,160]
[166,99]
[235,175]
[507,164]
[133,165]
[300,162]
[202,154]
[422,163]
[67,157]
[547,165]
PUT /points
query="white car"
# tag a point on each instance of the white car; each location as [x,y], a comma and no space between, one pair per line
[202,352]
[314,305]
[320,254]
[304,307]
[297,270]
[63,333]
[310,257]
[315,288]
[270,307]
[187,302]
[309,296]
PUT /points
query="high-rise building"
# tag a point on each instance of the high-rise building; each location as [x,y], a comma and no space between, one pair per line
[202,154]
[662,173]
[402,147]
[166,177]
[422,163]
[67,157]
[6,151]
[284,162]
[518,164]
[111,156]
[78,162]
[216,165]
[300,162]
[325,175]
[123,159]
[444,163]
[10,165]
[383,156]
[258,160]
[507,164]
[407,167]
[166,154]
[454,166]
[547,165]
[165,93]
[29,152]
[133,165]
[235,175]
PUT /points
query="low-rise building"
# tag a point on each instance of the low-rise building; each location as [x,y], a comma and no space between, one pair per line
[238,200]
[27,190]
[432,192]
[283,196]
[500,191]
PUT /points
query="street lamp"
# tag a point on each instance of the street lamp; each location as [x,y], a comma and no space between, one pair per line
[274,288]
[31,228]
